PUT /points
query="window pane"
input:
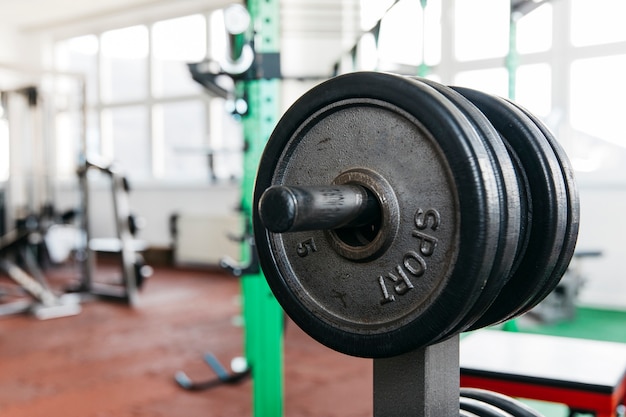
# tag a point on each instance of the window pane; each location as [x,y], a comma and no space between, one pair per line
[432,37]
[367,54]
[492,80]
[372,11]
[597,96]
[533,88]
[182,126]
[67,144]
[481,29]
[227,140]
[175,43]
[599,139]
[125,131]
[80,54]
[534,31]
[598,21]
[94,143]
[124,64]
[401,34]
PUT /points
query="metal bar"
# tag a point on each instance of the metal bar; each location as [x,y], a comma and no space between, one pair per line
[85,256]
[512,58]
[423,383]
[289,209]
[121,211]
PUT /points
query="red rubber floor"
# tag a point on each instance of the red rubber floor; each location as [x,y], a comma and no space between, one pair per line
[112,360]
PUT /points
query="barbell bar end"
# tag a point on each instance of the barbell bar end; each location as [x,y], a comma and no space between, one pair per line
[290,209]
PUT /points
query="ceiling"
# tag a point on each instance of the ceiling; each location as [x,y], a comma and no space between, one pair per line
[330,27]
[306,17]
[33,15]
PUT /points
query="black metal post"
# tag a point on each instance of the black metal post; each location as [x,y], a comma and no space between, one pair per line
[422,383]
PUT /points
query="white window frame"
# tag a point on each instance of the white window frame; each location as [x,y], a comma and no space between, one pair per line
[213,121]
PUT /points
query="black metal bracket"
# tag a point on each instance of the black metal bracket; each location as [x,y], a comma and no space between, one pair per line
[223,376]
[249,268]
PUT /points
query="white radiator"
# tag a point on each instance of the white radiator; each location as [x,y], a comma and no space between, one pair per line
[202,240]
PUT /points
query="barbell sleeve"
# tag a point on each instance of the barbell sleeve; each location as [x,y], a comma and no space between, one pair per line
[293,208]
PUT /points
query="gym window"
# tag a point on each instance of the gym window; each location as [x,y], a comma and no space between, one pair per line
[478,34]
[593,112]
[596,87]
[598,22]
[570,56]
[144,110]
[413,43]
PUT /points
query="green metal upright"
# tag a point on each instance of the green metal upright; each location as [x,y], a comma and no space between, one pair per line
[263,316]
[512,58]
[423,69]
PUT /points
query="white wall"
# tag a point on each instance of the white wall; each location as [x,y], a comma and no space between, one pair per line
[19,48]
[158,205]
[9,41]
[603,227]
[155,206]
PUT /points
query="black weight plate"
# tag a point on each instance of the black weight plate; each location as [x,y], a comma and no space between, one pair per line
[512,207]
[465,413]
[419,143]
[525,206]
[481,409]
[572,203]
[513,407]
[549,215]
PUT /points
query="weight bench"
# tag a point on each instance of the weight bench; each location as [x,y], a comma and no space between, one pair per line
[586,375]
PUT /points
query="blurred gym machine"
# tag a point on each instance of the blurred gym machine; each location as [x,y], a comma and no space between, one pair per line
[123,246]
[30,280]
[560,304]
[36,234]
[23,244]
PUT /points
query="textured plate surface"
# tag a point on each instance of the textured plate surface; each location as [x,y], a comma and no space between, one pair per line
[572,204]
[512,218]
[549,216]
[446,235]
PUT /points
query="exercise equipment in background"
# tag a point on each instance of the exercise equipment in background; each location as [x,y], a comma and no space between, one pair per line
[123,245]
[31,224]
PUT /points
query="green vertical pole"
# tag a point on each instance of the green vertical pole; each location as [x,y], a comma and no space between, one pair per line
[512,59]
[263,315]
[423,70]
